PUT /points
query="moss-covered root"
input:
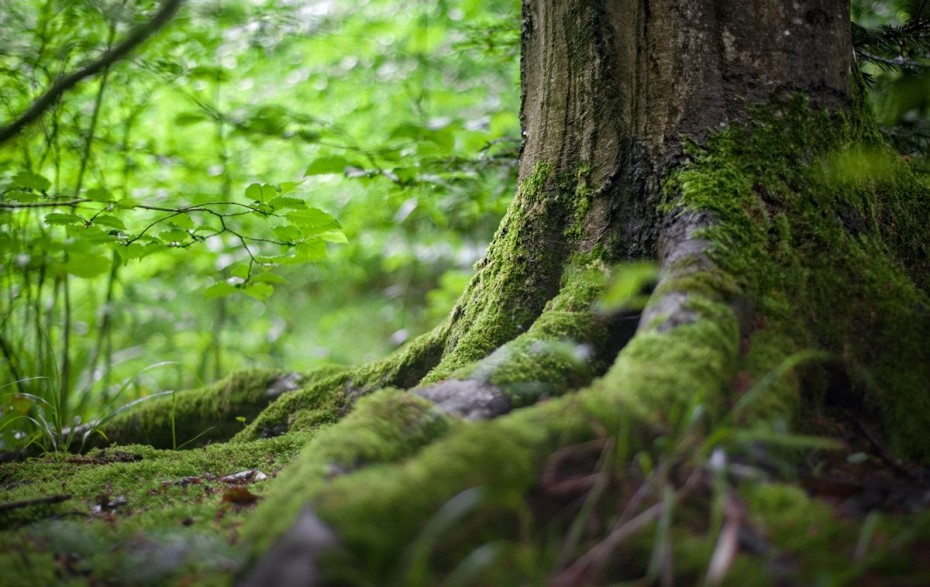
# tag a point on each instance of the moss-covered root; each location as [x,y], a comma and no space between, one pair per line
[384,427]
[194,417]
[567,346]
[381,514]
[328,399]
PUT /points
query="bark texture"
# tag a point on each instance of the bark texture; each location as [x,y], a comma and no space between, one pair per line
[614,87]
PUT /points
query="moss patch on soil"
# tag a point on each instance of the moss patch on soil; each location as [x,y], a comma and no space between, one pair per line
[135,515]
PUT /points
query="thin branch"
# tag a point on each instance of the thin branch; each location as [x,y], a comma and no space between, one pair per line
[12,505]
[17,205]
[899,61]
[135,38]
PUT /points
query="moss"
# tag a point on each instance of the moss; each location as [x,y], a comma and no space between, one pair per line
[766,372]
[577,192]
[826,549]
[198,416]
[136,515]
[818,219]
[661,372]
[519,274]
[819,252]
[502,457]
[661,377]
[408,366]
[382,428]
[328,399]
[321,403]
[559,352]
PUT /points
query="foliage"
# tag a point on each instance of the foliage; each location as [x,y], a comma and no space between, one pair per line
[892,40]
[166,210]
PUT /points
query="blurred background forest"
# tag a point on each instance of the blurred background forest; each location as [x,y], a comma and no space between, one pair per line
[274,183]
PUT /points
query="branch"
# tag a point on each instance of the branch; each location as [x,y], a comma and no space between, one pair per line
[12,505]
[136,37]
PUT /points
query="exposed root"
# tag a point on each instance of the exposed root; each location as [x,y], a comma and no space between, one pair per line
[328,399]
[192,417]
[505,457]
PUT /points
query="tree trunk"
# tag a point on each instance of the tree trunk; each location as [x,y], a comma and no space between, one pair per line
[618,98]
[728,141]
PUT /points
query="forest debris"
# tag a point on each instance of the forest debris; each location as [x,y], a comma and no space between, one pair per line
[239,496]
[22,503]
[190,480]
[105,457]
[244,476]
[106,504]
[727,545]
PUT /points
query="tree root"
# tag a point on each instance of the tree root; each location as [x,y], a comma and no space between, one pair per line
[192,417]
[683,356]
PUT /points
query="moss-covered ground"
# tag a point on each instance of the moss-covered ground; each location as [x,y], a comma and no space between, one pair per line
[766,425]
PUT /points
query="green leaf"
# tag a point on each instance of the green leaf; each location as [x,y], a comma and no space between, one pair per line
[313,250]
[139,250]
[59,219]
[408,130]
[28,179]
[259,291]
[183,221]
[240,270]
[22,195]
[326,165]
[260,192]
[313,221]
[334,236]
[189,118]
[86,264]
[254,192]
[99,195]
[128,203]
[173,236]
[262,209]
[282,203]
[289,186]
[287,233]
[268,278]
[220,289]
[88,236]
[629,284]
[305,252]
[208,72]
[308,135]
[109,220]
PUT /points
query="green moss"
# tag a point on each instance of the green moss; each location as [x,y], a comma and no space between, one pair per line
[328,399]
[323,402]
[195,417]
[818,220]
[382,428]
[559,352]
[829,550]
[818,249]
[164,516]
[576,191]
[767,362]
[519,274]
[659,376]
